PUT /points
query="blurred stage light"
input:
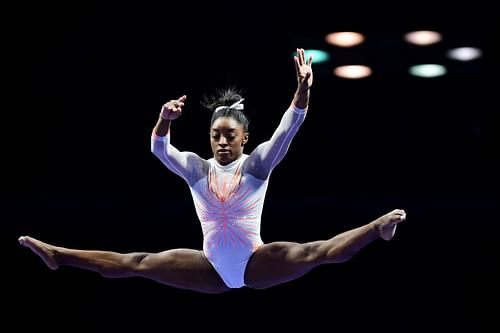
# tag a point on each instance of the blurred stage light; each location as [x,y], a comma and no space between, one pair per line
[423,37]
[427,70]
[352,71]
[345,39]
[464,53]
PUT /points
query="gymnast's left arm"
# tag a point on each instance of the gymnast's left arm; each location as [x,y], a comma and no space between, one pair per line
[268,154]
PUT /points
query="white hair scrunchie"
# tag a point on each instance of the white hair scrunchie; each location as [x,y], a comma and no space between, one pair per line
[237,105]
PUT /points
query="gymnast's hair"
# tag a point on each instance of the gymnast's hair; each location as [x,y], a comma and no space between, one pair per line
[227,103]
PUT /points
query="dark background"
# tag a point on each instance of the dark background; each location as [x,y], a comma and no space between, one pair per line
[86,80]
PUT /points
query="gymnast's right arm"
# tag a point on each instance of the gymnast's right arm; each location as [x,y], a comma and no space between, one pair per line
[187,165]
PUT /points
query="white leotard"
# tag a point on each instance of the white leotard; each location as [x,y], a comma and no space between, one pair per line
[229,199]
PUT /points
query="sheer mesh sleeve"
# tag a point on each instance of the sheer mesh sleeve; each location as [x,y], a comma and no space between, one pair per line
[268,154]
[187,165]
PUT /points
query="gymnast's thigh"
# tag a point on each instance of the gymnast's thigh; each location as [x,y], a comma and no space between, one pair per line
[182,268]
[278,262]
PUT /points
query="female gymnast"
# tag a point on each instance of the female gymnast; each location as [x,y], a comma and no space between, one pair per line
[228,191]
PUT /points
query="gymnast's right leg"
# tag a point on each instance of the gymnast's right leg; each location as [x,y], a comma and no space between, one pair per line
[180,268]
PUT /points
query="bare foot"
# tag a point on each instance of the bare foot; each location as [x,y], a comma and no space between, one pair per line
[386,224]
[43,250]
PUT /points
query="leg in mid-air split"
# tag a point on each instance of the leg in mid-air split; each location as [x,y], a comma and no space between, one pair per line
[279,262]
[271,264]
[180,268]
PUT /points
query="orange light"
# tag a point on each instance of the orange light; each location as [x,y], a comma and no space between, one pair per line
[423,37]
[345,39]
[353,71]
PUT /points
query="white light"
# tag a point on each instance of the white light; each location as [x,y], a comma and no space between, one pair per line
[352,71]
[427,70]
[423,37]
[464,53]
[344,39]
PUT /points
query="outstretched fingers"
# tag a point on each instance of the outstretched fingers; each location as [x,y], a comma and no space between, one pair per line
[300,54]
[301,57]
[303,69]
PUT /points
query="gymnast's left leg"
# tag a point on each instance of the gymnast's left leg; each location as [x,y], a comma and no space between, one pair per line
[279,262]
[180,268]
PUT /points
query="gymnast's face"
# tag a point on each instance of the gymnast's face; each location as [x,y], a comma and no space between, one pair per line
[227,139]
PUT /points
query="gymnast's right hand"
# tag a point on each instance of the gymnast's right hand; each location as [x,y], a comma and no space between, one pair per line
[173,108]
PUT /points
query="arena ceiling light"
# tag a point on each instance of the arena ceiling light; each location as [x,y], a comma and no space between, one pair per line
[427,70]
[464,53]
[352,71]
[345,38]
[423,37]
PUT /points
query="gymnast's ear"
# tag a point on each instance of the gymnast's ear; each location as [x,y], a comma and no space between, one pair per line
[245,139]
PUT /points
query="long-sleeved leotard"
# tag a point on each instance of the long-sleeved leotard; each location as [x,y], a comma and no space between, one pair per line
[229,199]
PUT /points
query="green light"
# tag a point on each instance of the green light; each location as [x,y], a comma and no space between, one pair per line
[427,70]
[317,55]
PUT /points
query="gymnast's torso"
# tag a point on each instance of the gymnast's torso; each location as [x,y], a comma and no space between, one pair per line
[229,205]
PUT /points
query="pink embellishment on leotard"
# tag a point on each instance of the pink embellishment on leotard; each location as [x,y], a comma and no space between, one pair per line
[230,221]
[223,187]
